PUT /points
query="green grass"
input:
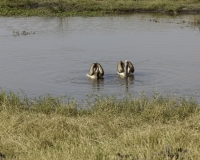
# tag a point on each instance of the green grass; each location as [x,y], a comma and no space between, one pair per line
[94,7]
[141,127]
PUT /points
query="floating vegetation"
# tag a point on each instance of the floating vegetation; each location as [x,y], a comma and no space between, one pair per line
[154,20]
[18,33]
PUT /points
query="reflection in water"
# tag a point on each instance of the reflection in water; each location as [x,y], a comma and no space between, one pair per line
[194,26]
[126,81]
[62,22]
[96,84]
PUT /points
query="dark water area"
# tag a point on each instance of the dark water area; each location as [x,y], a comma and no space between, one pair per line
[165,51]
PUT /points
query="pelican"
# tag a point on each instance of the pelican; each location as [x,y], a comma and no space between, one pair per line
[96,71]
[125,69]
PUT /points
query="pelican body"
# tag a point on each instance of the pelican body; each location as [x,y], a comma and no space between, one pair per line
[125,69]
[96,71]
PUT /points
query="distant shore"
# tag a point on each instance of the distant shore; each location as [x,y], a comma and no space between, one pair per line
[96,7]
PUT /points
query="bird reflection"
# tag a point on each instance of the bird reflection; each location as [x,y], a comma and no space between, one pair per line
[96,84]
[126,81]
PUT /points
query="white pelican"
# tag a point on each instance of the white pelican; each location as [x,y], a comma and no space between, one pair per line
[125,69]
[96,71]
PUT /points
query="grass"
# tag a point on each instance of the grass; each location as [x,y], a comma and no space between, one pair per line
[94,7]
[141,127]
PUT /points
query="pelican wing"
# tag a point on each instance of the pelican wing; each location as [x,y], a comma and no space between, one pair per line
[100,69]
[120,66]
[131,67]
[91,70]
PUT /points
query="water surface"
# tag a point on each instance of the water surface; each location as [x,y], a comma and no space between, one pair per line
[165,51]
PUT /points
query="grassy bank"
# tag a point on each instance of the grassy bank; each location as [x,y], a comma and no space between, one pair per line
[94,7]
[129,128]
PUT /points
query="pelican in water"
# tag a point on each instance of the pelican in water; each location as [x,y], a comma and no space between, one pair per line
[96,71]
[125,69]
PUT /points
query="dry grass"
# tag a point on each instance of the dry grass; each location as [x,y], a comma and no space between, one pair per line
[128,128]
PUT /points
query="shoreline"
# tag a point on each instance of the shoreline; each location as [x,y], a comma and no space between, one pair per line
[34,13]
[95,8]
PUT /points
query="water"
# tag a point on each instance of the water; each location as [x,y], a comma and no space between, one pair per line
[55,60]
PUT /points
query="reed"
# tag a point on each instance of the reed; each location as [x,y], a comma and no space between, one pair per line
[94,7]
[101,127]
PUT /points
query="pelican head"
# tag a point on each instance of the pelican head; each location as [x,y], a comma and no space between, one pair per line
[96,71]
[125,68]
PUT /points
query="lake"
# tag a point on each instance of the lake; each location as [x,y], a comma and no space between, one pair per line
[55,57]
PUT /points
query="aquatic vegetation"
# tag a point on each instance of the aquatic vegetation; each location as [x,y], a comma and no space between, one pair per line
[17,33]
[108,127]
[195,20]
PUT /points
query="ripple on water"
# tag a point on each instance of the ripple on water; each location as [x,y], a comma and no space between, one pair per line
[57,58]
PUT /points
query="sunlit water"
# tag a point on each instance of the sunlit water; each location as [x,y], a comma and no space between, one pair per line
[55,60]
